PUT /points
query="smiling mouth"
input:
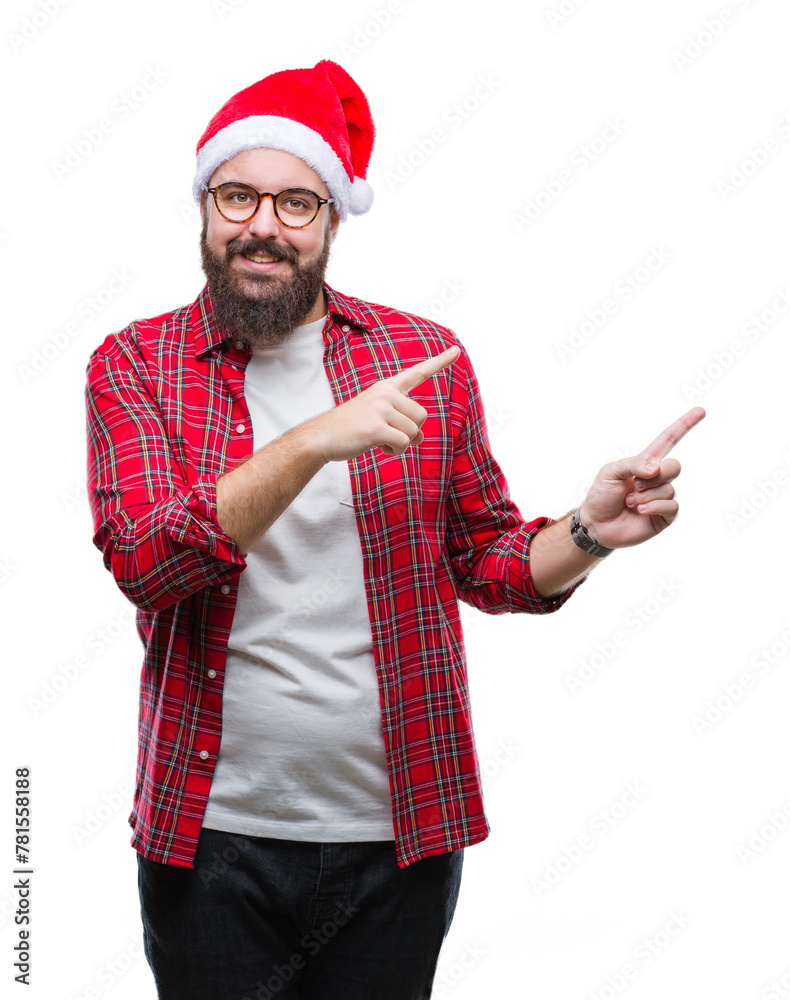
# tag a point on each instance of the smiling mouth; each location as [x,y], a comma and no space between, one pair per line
[260,258]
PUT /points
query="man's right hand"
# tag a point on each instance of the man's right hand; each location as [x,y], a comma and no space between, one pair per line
[382,416]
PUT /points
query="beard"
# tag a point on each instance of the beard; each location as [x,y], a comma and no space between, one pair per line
[269,312]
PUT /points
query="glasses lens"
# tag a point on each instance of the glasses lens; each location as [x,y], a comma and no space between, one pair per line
[237,202]
[296,207]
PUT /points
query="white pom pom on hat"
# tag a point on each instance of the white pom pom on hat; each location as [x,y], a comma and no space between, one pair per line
[361,197]
[320,115]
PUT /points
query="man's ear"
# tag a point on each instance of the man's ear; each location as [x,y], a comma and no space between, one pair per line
[334,224]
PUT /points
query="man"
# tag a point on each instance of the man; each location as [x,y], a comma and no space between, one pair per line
[294,487]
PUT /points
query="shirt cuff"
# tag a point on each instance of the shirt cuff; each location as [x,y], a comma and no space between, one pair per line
[194,522]
[520,557]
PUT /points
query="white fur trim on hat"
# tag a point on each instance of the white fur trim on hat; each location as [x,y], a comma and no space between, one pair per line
[273,132]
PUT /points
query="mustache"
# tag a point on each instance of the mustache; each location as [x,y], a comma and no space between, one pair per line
[267,247]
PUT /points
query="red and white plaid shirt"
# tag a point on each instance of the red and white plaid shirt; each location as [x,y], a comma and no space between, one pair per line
[166,416]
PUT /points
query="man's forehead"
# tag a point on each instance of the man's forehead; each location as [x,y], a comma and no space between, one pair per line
[269,166]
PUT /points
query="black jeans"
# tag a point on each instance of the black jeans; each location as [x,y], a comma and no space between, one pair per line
[258,919]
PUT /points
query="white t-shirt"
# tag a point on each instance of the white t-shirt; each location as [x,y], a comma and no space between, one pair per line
[302,753]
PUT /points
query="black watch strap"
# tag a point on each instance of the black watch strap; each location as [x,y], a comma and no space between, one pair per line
[584,539]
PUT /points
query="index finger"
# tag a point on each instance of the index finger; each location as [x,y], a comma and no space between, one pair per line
[410,378]
[667,439]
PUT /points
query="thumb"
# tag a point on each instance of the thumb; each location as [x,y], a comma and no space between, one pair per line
[638,465]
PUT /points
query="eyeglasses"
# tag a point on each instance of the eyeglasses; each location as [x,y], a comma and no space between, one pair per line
[294,208]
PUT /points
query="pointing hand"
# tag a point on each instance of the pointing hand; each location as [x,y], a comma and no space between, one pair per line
[382,416]
[633,499]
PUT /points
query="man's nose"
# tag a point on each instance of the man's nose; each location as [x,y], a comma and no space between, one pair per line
[264,223]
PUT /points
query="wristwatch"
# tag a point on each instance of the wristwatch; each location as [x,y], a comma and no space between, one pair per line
[584,539]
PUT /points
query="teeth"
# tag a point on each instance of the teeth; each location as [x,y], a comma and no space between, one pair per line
[260,259]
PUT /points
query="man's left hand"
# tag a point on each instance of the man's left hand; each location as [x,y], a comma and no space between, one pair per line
[633,499]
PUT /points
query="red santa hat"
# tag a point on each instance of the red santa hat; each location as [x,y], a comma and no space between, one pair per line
[318,114]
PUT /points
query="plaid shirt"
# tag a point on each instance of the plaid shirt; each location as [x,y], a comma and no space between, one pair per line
[166,416]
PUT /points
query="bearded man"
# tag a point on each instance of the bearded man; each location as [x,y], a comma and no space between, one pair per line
[295,487]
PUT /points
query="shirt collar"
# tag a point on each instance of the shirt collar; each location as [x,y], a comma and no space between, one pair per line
[208,334]
[349,309]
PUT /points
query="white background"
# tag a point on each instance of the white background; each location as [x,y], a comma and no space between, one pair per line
[664,886]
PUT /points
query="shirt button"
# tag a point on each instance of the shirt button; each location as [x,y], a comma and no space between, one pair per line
[240,428]
[240,344]
[345,329]
[204,754]
[225,588]
[212,674]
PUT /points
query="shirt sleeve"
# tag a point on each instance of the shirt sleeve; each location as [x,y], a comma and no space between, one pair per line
[488,540]
[158,534]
